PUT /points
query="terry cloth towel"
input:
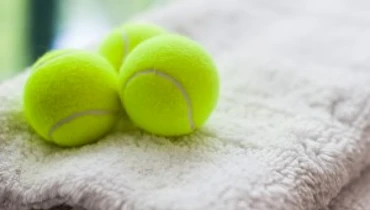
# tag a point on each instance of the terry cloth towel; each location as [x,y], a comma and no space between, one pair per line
[355,196]
[289,132]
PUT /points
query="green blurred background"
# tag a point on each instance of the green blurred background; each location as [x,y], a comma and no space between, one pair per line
[30,28]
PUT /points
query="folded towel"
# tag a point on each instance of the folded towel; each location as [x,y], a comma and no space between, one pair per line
[290,129]
[355,196]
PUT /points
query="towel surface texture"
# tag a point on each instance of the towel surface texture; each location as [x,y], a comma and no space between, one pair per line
[290,131]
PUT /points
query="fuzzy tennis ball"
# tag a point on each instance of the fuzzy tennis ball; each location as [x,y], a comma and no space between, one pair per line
[70,97]
[169,85]
[120,42]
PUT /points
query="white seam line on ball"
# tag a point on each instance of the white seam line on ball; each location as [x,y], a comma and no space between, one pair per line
[74,116]
[176,83]
[126,45]
[43,63]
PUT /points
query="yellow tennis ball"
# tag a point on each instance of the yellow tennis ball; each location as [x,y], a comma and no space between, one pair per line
[120,42]
[70,97]
[169,85]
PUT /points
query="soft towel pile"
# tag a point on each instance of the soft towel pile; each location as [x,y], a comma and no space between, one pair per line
[290,131]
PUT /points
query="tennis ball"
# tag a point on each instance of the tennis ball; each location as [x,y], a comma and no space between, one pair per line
[70,97]
[48,56]
[169,85]
[120,42]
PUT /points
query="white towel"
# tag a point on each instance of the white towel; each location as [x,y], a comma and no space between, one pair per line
[290,129]
[355,196]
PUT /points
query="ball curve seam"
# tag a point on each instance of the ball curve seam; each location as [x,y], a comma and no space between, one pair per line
[126,45]
[74,116]
[51,59]
[173,81]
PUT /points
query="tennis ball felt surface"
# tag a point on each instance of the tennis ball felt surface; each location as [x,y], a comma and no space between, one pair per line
[70,97]
[120,42]
[169,85]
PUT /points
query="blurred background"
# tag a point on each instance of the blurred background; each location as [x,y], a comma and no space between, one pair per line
[30,28]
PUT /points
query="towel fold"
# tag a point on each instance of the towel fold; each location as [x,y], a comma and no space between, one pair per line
[355,196]
[291,128]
